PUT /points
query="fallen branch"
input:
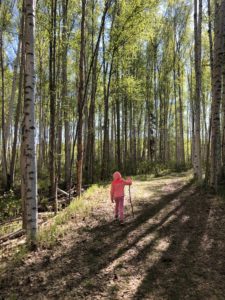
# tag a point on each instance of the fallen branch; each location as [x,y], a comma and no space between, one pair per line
[20,232]
[12,235]
[11,221]
[62,192]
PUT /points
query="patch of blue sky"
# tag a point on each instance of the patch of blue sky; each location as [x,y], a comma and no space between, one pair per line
[10,36]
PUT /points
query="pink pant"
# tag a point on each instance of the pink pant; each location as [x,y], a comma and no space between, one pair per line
[119,208]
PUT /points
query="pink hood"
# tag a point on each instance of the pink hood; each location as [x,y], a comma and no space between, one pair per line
[118,184]
[116,175]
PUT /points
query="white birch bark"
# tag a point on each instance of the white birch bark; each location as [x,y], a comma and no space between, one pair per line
[197,140]
[29,176]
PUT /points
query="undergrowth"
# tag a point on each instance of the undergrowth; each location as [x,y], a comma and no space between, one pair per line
[57,227]
[49,234]
[10,227]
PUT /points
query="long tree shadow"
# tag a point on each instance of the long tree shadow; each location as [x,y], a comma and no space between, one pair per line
[188,269]
[88,258]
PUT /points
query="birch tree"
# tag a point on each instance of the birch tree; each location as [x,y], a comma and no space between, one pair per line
[80,103]
[197,98]
[4,161]
[28,154]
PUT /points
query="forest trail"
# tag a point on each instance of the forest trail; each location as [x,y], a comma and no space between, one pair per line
[173,249]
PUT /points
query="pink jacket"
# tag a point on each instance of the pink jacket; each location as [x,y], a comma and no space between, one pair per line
[117,185]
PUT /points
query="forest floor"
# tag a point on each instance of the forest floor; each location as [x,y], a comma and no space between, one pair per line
[174,248]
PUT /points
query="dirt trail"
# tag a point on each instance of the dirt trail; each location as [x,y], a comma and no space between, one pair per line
[174,248]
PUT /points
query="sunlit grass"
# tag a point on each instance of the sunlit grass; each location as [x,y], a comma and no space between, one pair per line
[80,206]
[10,227]
[165,174]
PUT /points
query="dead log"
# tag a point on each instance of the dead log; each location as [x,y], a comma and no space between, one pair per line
[11,221]
[62,192]
[12,235]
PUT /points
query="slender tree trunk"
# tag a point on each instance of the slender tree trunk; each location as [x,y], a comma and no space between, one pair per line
[105,158]
[131,149]
[18,108]
[215,166]
[59,103]
[65,99]
[181,127]
[223,89]
[166,139]
[118,138]
[4,160]
[134,146]
[210,40]
[52,91]
[113,153]
[29,175]
[175,97]
[91,116]
[190,85]
[207,169]
[80,103]
[13,93]
[148,106]
[143,156]
[140,137]
[14,81]
[197,101]
[161,132]
[118,134]
[155,98]
[40,162]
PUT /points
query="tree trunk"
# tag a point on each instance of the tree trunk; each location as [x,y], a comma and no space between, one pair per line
[125,133]
[28,155]
[197,99]
[105,158]
[181,127]
[52,92]
[13,92]
[4,161]
[118,148]
[18,107]
[91,116]
[65,99]
[207,168]
[215,159]
[80,103]
[223,92]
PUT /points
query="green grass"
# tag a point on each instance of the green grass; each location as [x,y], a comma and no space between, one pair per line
[57,226]
[166,174]
[10,206]
[48,236]
[10,227]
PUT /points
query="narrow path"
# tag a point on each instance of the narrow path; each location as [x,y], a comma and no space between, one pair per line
[173,249]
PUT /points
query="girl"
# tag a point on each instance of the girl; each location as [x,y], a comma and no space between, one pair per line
[117,194]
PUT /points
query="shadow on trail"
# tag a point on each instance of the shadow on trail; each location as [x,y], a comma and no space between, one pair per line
[173,275]
[189,267]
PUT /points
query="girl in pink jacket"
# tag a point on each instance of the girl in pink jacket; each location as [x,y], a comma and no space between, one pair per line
[117,194]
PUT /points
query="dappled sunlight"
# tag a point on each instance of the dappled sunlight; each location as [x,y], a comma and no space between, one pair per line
[185,219]
[162,245]
[163,250]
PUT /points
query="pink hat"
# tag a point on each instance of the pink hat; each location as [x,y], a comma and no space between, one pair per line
[116,175]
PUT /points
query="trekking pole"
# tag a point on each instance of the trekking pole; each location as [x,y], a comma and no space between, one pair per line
[131,203]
